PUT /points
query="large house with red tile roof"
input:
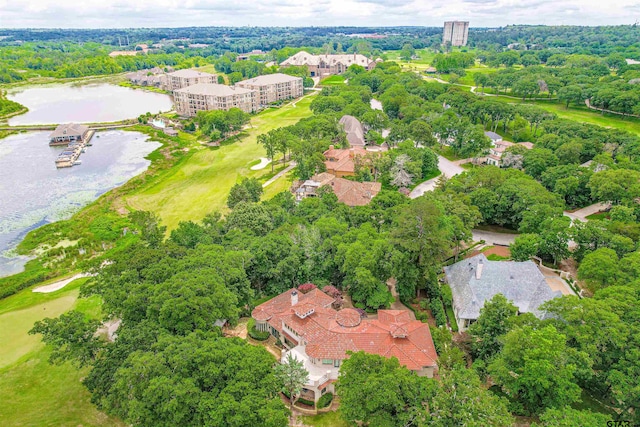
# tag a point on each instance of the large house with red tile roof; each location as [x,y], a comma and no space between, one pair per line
[341,162]
[320,336]
[351,193]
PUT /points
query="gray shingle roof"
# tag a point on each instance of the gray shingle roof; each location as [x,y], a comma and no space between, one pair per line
[494,136]
[354,130]
[520,282]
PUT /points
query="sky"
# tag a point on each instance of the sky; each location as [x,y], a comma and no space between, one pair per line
[181,13]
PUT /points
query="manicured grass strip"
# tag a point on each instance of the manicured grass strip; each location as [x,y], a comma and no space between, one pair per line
[330,419]
[333,80]
[34,392]
[583,114]
[201,182]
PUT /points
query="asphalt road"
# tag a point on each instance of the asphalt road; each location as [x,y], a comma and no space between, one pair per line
[448,169]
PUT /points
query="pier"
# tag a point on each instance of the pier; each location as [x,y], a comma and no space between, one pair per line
[70,156]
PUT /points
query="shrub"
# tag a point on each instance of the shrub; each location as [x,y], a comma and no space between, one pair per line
[438,312]
[332,291]
[306,402]
[325,400]
[254,333]
[421,316]
[306,287]
[447,298]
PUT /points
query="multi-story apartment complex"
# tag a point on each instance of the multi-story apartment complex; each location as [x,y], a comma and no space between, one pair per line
[184,78]
[456,33]
[208,96]
[325,65]
[274,87]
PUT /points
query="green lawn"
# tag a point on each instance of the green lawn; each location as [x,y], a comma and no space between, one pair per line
[584,115]
[447,152]
[200,183]
[34,392]
[333,80]
[599,216]
[329,419]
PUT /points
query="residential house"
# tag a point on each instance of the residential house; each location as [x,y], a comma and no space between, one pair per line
[351,193]
[248,55]
[497,151]
[476,280]
[494,137]
[69,132]
[354,130]
[155,77]
[185,78]
[341,162]
[325,65]
[316,334]
[208,96]
[274,87]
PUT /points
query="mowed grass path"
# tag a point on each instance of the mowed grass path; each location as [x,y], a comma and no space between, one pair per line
[33,392]
[200,183]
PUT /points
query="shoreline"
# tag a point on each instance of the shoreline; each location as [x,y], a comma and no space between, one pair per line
[38,242]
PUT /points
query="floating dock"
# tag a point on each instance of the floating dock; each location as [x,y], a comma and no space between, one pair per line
[70,156]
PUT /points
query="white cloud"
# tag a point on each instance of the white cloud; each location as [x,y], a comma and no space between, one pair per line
[172,13]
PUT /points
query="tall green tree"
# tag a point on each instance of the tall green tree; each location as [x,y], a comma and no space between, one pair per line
[492,324]
[535,370]
[377,391]
[293,376]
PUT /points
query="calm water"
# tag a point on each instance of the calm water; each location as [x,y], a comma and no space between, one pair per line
[33,192]
[84,103]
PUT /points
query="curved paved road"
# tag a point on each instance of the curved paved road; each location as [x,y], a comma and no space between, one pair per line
[448,169]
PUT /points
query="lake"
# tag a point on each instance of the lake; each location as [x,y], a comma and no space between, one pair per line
[34,192]
[84,103]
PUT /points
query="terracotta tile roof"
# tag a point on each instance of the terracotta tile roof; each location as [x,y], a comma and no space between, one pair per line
[340,160]
[330,334]
[351,193]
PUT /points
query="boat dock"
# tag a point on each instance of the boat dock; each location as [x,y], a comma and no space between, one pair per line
[71,154]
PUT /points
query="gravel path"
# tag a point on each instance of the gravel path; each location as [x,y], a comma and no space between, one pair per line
[279,174]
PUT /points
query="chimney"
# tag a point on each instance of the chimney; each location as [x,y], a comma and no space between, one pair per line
[294,298]
[352,153]
[331,147]
[479,270]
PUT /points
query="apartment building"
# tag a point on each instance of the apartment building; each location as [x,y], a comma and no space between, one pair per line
[184,78]
[208,96]
[274,87]
[456,33]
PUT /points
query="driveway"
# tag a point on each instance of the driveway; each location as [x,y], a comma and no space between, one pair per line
[582,214]
[493,238]
[448,169]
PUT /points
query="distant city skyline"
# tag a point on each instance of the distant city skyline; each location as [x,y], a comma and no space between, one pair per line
[181,13]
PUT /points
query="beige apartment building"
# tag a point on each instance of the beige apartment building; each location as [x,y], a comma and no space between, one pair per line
[274,87]
[456,33]
[208,96]
[184,78]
